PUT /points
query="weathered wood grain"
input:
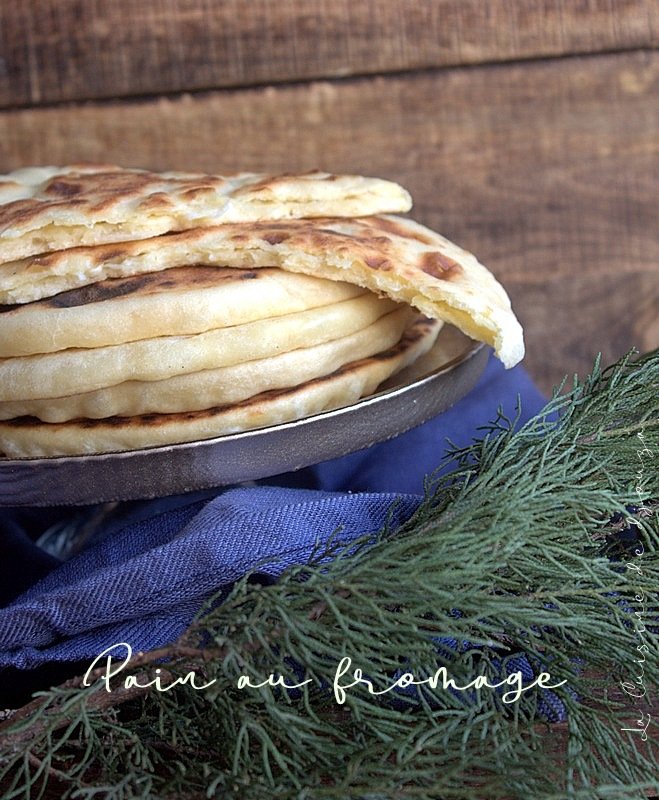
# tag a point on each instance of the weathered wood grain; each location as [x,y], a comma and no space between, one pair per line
[59,50]
[547,170]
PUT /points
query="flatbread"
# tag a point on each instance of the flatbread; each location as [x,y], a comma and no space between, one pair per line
[79,370]
[174,302]
[194,391]
[53,208]
[386,254]
[27,438]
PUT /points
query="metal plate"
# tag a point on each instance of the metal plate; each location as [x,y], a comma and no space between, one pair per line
[431,385]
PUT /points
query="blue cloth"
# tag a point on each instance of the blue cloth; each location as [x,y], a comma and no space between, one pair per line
[146,572]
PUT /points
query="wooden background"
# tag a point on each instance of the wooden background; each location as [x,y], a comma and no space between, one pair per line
[526,130]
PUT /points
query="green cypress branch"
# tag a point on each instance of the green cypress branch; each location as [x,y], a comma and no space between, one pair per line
[515,551]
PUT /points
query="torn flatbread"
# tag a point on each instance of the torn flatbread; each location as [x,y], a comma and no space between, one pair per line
[54,208]
[386,254]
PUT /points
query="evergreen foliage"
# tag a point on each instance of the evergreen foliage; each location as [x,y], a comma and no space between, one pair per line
[538,551]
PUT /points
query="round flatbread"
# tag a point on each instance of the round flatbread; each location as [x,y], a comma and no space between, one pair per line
[77,370]
[388,255]
[54,208]
[212,387]
[174,302]
[28,438]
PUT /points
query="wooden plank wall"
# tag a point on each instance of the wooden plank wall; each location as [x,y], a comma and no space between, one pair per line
[526,130]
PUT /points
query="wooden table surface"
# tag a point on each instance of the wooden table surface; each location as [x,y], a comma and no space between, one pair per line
[526,130]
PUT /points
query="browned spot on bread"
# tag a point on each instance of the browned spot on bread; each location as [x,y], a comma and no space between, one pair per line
[395,228]
[117,182]
[63,188]
[23,422]
[103,190]
[265,184]
[272,180]
[320,239]
[378,262]
[19,211]
[99,184]
[173,279]
[45,259]
[98,292]
[197,191]
[276,237]
[157,200]
[440,266]
[109,254]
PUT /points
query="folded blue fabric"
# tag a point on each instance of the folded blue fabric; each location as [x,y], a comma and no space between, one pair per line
[147,571]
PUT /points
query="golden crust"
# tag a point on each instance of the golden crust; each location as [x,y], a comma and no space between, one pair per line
[53,208]
[388,255]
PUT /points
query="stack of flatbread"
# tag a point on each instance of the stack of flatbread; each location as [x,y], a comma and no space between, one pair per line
[139,309]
